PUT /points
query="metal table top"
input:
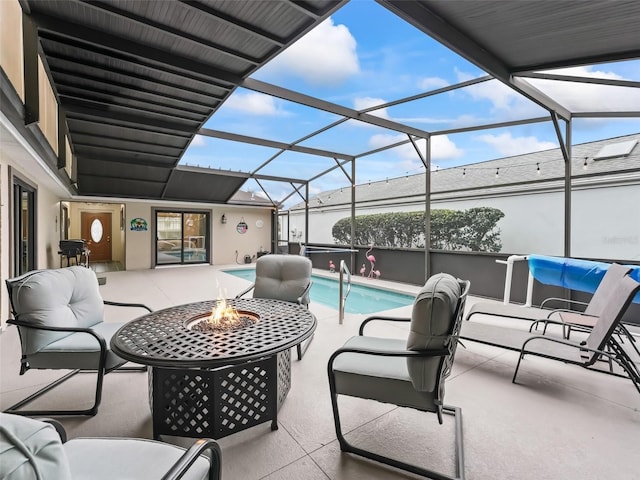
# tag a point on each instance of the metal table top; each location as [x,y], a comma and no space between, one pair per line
[162,339]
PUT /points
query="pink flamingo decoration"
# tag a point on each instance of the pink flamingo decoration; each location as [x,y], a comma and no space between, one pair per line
[363,269]
[372,260]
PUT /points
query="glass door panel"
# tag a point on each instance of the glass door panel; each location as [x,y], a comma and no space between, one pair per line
[182,237]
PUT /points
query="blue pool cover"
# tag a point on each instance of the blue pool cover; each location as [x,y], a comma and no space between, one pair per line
[581,275]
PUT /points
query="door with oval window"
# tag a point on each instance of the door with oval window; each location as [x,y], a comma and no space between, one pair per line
[96,232]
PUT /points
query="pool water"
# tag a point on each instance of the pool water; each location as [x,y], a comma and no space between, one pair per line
[362,299]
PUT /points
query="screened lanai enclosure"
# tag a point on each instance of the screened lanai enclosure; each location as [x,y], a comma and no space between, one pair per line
[209,101]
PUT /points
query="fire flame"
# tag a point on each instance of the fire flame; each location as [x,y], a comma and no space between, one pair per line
[223,315]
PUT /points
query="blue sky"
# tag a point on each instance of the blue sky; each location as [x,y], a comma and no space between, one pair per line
[364,56]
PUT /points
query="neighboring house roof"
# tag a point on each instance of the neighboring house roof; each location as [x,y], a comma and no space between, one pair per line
[514,173]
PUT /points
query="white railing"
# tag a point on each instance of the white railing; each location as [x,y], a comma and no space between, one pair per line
[509,275]
[343,296]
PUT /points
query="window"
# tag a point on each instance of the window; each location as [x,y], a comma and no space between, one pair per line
[182,237]
[24,227]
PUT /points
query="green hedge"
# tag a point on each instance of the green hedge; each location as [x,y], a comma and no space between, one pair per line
[472,230]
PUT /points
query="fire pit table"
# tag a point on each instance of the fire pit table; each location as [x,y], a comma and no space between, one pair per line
[218,382]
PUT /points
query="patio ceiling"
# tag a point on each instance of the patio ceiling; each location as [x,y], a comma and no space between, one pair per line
[138,79]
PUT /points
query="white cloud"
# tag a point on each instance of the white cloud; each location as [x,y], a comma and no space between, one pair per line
[325,56]
[360,103]
[506,102]
[442,149]
[198,141]
[430,83]
[509,146]
[254,103]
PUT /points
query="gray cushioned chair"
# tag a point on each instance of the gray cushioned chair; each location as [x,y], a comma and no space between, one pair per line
[38,450]
[283,277]
[60,318]
[408,373]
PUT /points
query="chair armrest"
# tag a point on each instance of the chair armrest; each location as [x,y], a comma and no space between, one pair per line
[557,299]
[386,319]
[579,346]
[190,456]
[98,337]
[386,353]
[122,304]
[247,290]
[58,426]
[304,294]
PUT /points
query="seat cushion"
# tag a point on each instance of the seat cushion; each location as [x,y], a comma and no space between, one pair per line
[432,319]
[127,459]
[30,450]
[282,277]
[63,297]
[385,379]
[79,350]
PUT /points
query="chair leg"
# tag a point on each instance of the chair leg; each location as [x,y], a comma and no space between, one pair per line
[425,472]
[89,411]
[513,380]
[302,349]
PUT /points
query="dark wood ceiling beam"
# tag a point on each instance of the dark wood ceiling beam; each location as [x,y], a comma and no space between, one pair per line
[110,105]
[234,22]
[121,99]
[83,136]
[123,152]
[64,76]
[133,120]
[96,121]
[167,29]
[305,8]
[83,161]
[178,85]
[144,55]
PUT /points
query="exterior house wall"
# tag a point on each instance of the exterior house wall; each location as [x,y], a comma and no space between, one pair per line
[47,221]
[139,250]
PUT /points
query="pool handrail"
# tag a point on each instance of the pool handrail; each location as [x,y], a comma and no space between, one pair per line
[343,298]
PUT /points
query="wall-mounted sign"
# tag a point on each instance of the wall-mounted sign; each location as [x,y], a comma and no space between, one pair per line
[138,225]
[242,226]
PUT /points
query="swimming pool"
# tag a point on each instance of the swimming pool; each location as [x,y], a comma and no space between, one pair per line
[362,299]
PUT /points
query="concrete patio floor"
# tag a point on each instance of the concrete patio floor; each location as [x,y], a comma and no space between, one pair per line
[559,422]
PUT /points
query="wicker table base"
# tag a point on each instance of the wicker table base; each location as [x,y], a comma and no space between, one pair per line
[218,402]
[215,384]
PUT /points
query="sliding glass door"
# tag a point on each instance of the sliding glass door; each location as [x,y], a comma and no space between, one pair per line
[182,237]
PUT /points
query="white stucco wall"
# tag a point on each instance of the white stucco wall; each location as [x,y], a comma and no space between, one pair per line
[605,221]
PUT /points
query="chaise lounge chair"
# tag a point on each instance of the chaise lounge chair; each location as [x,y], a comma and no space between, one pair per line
[568,319]
[599,343]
